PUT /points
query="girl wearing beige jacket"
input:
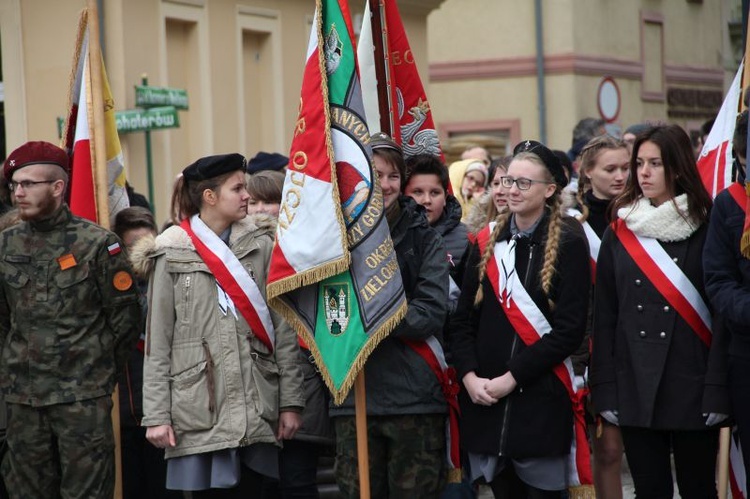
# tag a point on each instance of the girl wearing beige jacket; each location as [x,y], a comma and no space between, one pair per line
[222,381]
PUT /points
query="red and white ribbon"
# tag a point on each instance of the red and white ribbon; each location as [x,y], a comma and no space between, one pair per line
[233,278]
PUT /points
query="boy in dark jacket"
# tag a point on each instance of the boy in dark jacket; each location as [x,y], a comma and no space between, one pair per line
[427,183]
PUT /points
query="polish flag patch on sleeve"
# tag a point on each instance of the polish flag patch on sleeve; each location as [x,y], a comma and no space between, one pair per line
[114,249]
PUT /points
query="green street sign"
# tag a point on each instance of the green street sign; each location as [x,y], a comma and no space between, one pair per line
[141,120]
[146,96]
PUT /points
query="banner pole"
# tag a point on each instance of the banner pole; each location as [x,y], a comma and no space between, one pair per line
[99,159]
[360,411]
[724,438]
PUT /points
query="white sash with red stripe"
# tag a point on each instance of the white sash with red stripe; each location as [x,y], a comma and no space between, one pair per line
[233,278]
[668,279]
[593,238]
[531,325]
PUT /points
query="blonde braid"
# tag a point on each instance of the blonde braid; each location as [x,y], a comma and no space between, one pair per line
[583,183]
[489,251]
[551,246]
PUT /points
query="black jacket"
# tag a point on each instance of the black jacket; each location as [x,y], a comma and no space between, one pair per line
[727,272]
[398,381]
[455,236]
[647,363]
[535,420]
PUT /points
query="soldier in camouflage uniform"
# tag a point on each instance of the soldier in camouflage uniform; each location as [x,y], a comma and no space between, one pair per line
[69,318]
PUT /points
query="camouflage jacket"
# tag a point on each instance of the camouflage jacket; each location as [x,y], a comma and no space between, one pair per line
[69,311]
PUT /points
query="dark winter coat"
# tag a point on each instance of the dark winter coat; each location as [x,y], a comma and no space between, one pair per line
[647,362]
[536,419]
[455,237]
[398,381]
[727,272]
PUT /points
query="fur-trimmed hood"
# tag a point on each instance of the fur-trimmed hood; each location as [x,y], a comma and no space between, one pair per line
[668,222]
[142,253]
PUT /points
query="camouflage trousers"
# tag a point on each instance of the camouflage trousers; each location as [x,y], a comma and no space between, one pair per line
[407,456]
[61,451]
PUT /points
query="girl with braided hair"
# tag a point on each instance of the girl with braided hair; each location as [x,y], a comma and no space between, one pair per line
[655,369]
[521,314]
[603,173]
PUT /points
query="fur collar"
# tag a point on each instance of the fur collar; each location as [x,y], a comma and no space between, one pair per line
[175,238]
[663,223]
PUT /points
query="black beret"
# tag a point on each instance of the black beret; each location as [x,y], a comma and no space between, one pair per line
[267,161]
[213,166]
[548,158]
[35,153]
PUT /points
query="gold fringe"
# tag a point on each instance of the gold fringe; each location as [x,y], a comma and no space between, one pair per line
[308,277]
[81,33]
[745,244]
[745,239]
[359,362]
[454,475]
[582,492]
[339,395]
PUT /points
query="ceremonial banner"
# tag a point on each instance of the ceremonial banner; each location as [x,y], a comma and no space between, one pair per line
[79,137]
[715,161]
[333,273]
[411,117]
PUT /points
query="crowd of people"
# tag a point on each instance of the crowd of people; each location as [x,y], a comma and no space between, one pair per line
[588,299]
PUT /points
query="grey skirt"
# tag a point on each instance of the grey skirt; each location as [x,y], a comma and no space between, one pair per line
[221,469]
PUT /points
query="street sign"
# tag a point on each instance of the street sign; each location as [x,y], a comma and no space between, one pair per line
[146,96]
[142,120]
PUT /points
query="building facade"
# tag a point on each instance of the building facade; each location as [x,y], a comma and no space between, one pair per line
[627,62]
[241,62]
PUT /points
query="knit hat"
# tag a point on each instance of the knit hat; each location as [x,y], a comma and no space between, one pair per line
[477,166]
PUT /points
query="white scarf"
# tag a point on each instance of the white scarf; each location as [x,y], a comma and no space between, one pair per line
[663,223]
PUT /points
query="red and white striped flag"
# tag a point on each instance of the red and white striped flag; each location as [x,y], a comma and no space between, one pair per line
[79,138]
[715,161]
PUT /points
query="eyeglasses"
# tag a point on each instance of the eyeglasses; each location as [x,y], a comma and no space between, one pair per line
[25,184]
[523,184]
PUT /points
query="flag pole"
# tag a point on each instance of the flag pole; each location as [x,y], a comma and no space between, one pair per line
[363,457]
[99,159]
[724,439]
[381,58]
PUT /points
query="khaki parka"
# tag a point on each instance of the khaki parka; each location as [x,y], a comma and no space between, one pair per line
[197,358]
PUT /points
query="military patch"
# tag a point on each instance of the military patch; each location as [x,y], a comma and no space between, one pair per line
[67,261]
[122,281]
[114,249]
[336,299]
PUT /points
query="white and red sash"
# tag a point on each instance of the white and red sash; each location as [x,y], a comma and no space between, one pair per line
[593,238]
[233,278]
[530,324]
[668,279]
[432,352]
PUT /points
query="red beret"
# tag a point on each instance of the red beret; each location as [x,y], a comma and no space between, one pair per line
[35,153]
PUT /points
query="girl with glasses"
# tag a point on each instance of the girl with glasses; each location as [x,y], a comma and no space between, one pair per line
[520,315]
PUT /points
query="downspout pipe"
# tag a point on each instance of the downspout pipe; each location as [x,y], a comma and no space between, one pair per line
[540,71]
